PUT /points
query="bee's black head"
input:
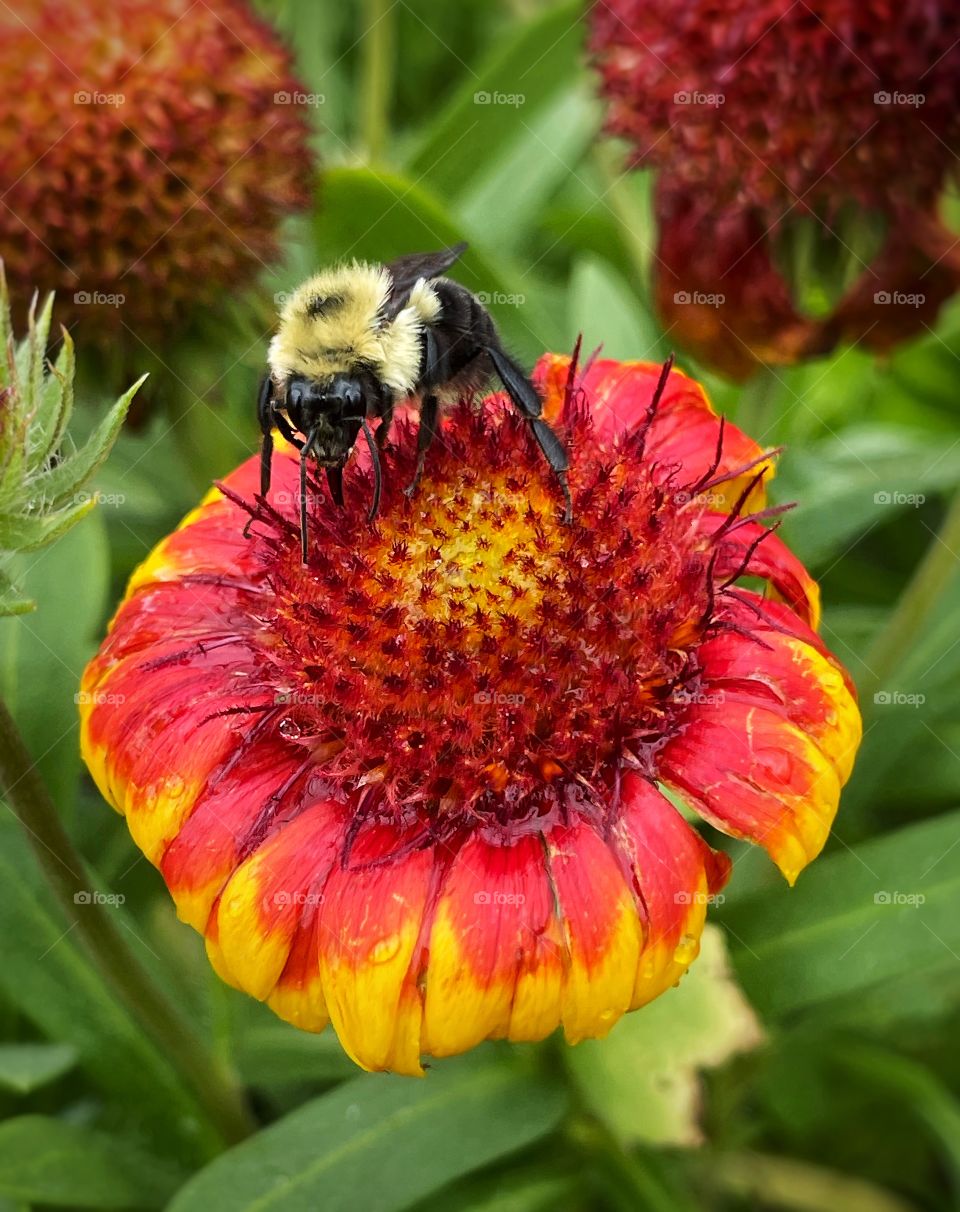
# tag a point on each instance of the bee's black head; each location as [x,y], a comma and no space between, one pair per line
[331,411]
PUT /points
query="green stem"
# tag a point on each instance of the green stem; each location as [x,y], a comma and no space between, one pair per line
[757,414]
[67,877]
[376,75]
[918,601]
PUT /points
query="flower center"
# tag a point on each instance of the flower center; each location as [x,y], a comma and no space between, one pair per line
[471,649]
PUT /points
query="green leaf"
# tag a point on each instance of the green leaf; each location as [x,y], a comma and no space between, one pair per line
[528,169]
[279,1055]
[27,1067]
[536,62]
[856,480]
[61,481]
[375,1143]
[643,1080]
[11,600]
[856,921]
[55,986]
[606,311]
[375,216]
[28,531]
[50,422]
[48,1161]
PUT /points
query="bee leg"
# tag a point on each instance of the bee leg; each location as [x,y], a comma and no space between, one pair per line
[429,411]
[265,417]
[524,395]
[556,456]
[383,429]
[377,479]
[304,451]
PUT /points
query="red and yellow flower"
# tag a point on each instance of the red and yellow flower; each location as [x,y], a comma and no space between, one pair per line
[417,788]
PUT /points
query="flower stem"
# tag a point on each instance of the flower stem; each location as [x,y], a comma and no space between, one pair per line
[376,75]
[911,615]
[66,875]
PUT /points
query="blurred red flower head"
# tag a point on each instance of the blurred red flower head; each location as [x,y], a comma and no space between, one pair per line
[839,112]
[147,157]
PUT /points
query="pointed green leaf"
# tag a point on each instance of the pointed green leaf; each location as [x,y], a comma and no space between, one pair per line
[373,1142]
[855,922]
[56,485]
[11,600]
[27,1067]
[530,67]
[28,531]
[50,424]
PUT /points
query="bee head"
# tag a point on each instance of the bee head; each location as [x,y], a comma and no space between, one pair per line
[331,410]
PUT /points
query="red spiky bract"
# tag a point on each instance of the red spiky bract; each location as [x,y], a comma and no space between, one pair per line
[166,198]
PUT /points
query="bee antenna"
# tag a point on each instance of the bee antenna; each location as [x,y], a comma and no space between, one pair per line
[377,478]
[304,451]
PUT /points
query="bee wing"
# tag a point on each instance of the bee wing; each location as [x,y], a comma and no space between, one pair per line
[406,272]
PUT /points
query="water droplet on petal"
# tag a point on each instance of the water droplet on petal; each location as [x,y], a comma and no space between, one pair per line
[686,950]
[289,728]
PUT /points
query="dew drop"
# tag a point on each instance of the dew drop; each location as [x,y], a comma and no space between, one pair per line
[686,949]
[385,949]
[289,728]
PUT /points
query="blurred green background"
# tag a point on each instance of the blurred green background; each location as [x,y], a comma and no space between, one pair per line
[809,1061]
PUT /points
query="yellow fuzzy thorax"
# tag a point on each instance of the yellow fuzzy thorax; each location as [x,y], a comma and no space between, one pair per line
[351,334]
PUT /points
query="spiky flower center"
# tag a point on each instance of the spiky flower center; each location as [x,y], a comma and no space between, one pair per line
[470,650]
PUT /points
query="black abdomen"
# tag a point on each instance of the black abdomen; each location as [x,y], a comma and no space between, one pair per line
[454,343]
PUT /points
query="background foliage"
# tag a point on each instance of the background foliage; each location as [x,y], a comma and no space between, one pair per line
[809,1060]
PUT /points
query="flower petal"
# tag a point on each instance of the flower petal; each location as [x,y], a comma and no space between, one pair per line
[675,876]
[767,745]
[371,949]
[600,926]
[683,433]
[270,894]
[496,949]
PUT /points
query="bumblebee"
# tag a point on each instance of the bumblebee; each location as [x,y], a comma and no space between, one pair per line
[355,340]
